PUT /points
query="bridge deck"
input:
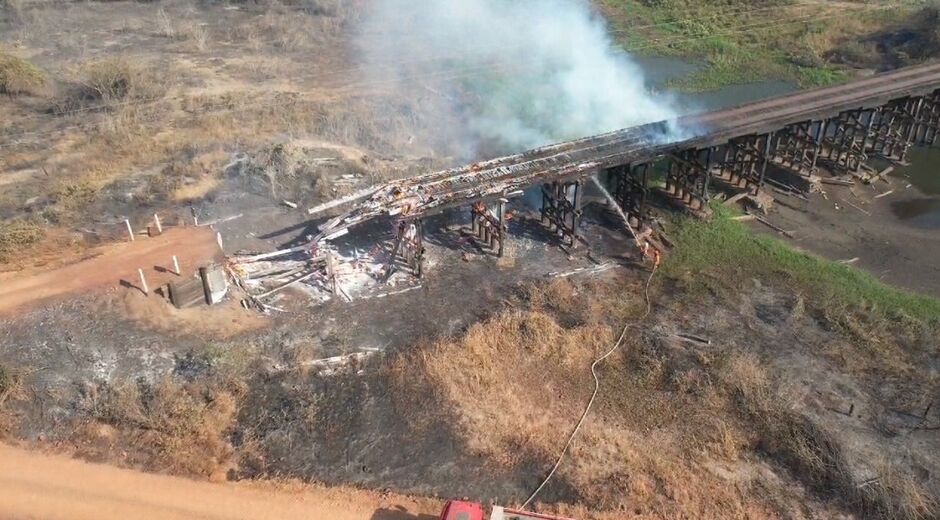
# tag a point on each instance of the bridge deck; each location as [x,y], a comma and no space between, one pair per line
[433,192]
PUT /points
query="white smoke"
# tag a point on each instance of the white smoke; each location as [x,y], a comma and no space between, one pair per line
[519,73]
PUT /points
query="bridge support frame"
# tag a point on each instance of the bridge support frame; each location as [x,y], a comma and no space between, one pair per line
[745,160]
[688,175]
[628,185]
[796,148]
[892,128]
[927,127]
[408,249]
[561,209]
[844,140]
[489,227]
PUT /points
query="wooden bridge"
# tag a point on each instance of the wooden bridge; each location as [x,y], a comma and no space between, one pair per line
[788,141]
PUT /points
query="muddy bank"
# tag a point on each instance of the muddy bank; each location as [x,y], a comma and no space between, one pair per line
[886,228]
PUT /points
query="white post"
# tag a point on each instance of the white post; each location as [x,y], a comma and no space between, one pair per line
[156,221]
[176,266]
[130,230]
[218,238]
[143,282]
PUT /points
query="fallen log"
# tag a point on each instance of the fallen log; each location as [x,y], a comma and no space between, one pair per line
[359,195]
[858,208]
[838,182]
[286,285]
[693,338]
[219,220]
[773,226]
[273,254]
[880,175]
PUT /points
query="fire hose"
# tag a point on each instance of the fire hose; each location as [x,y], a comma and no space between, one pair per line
[598,361]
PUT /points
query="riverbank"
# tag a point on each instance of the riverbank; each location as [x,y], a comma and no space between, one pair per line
[810,43]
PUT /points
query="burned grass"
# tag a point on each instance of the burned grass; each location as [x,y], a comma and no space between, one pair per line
[181,423]
[681,428]
[515,386]
[678,429]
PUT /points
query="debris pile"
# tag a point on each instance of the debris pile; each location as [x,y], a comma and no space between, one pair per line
[317,270]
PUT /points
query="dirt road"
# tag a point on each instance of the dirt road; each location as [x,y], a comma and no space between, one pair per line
[51,487]
[110,265]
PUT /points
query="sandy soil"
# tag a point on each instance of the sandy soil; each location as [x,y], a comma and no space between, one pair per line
[40,486]
[111,265]
[222,321]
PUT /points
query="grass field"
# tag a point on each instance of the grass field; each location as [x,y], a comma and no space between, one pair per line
[809,43]
[730,252]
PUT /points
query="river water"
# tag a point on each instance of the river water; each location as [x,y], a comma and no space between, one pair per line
[923,174]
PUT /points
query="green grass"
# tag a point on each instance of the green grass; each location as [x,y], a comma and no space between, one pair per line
[725,250]
[820,76]
[729,66]
[739,45]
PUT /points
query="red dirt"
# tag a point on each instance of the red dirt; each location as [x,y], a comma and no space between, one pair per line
[110,265]
[52,487]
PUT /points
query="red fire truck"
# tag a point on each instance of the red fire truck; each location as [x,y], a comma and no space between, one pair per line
[458,510]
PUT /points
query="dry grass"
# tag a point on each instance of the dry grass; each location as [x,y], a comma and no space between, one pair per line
[10,386]
[513,388]
[125,141]
[118,78]
[191,176]
[676,431]
[186,30]
[108,82]
[17,236]
[165,426]
[14,9]
[286,30]
[783,433]
[18,76]
[897,495]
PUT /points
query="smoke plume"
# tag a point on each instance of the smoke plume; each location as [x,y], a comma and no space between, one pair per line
[516,73]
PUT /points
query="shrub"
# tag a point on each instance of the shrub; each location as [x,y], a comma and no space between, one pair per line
[7,383]
[16,235]
[109,80]
[18,76]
